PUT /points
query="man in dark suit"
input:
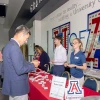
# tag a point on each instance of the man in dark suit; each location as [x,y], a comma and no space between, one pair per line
[16,68]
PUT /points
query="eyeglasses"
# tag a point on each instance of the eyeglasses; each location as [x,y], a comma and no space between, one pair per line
[74,43]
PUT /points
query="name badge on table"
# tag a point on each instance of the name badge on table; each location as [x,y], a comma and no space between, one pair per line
[58,87]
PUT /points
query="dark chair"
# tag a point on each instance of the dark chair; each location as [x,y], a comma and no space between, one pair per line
[66,75]
[67,69]
[91,83]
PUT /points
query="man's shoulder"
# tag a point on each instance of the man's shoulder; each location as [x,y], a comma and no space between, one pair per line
[10,45]
[44,54]
[63,48]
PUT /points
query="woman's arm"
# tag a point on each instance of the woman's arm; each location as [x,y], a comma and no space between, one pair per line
[44,59]
[69,65]
[84,67]
[83,60]
[47,60]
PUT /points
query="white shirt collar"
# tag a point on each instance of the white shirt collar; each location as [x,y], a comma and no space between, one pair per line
[59,46]
[16,41]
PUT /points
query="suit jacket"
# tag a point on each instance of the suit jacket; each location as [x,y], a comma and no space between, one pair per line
[16,70]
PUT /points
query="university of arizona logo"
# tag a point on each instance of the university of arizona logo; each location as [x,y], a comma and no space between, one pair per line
[74,88]
[74,91]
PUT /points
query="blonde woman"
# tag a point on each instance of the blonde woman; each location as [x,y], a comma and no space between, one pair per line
[77,62]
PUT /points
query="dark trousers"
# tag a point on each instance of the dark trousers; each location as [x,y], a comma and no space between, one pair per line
[58,70]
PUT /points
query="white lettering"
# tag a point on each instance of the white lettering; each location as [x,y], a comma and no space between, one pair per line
[40,1]
[34,5]
[31,8]
[93,3]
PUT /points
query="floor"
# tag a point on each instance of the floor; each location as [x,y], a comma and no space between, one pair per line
[3,97]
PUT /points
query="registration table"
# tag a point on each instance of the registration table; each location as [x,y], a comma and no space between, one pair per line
[92,72]
[41,83]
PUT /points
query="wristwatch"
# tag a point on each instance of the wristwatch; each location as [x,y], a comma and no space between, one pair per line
[76,66]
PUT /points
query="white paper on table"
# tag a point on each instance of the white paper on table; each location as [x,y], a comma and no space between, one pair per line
[31,78]
[57,87]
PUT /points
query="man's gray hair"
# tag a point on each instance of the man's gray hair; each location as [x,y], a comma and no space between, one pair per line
[22,28]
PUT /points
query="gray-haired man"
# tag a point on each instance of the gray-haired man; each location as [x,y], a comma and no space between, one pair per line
[16,68]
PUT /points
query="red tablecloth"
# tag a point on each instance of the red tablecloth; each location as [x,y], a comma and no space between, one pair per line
[37,92]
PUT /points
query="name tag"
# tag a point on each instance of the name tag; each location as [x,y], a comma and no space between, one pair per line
[76,57]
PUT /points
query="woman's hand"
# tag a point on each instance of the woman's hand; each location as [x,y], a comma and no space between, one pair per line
[45,65]
[71,65]
[65,64]
[51,61]
[36,63]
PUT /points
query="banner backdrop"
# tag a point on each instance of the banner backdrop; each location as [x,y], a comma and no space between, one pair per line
[90,38]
